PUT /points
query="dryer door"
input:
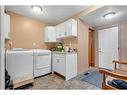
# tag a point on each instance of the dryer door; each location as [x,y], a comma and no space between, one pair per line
[43,61]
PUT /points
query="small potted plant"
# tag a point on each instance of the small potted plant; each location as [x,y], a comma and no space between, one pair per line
[60,47]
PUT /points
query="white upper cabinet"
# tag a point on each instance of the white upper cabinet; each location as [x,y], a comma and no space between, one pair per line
[7,26]
[71,28]
[58,33]
[67,29]
[50,34]
[60,30]
[63,29]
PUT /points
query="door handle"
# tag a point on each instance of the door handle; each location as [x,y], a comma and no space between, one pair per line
[43,54]
[100,51]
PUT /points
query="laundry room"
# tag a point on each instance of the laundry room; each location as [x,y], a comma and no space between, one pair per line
[34,50]
[63,47]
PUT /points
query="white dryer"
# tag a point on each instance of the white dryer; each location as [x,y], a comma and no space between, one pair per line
[42,62]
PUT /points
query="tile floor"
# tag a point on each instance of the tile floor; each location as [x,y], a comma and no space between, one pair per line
[53,81]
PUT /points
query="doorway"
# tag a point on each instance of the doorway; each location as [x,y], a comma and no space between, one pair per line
[108,47]
[91,48]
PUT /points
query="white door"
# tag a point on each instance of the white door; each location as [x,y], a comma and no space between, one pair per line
[108,47]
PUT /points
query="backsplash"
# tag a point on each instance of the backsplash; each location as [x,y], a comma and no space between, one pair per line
[71,42]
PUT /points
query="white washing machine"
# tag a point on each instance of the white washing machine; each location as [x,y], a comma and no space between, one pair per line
[42,62]
[19,64]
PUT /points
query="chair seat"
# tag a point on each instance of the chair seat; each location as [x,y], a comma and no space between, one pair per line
[121,72]
[115,74]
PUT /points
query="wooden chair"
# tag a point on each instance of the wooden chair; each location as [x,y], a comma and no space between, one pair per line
[115,74]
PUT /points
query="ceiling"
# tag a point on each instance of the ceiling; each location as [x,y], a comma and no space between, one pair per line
[51,15]
[96,19]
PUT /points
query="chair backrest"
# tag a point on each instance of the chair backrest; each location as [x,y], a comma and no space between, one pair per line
[118,64]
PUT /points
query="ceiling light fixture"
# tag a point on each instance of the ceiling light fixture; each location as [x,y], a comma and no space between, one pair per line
[109,15]
[37,9]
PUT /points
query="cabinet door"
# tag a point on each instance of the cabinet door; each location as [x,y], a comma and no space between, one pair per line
[58,29]
[71,66]
[7,26]
[63,31]
[50,35]
[71,27]
[46,34]
[59,64]
[68,27]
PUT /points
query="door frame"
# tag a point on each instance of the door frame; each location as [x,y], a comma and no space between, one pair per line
[2,49]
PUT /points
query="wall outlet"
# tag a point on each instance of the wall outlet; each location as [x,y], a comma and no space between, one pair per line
[34,44]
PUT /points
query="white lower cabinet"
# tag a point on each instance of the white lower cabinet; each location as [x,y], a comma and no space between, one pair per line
[59,64]
[65,64]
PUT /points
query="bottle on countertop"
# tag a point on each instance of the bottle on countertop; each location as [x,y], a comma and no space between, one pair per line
[66,48]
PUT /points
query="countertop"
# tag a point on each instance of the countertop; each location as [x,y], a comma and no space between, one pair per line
[57,52]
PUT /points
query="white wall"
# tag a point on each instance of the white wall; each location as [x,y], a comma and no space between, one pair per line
[123,43]
[83,32]
[2,50]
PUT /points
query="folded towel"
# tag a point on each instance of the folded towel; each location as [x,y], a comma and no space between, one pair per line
[119,84]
